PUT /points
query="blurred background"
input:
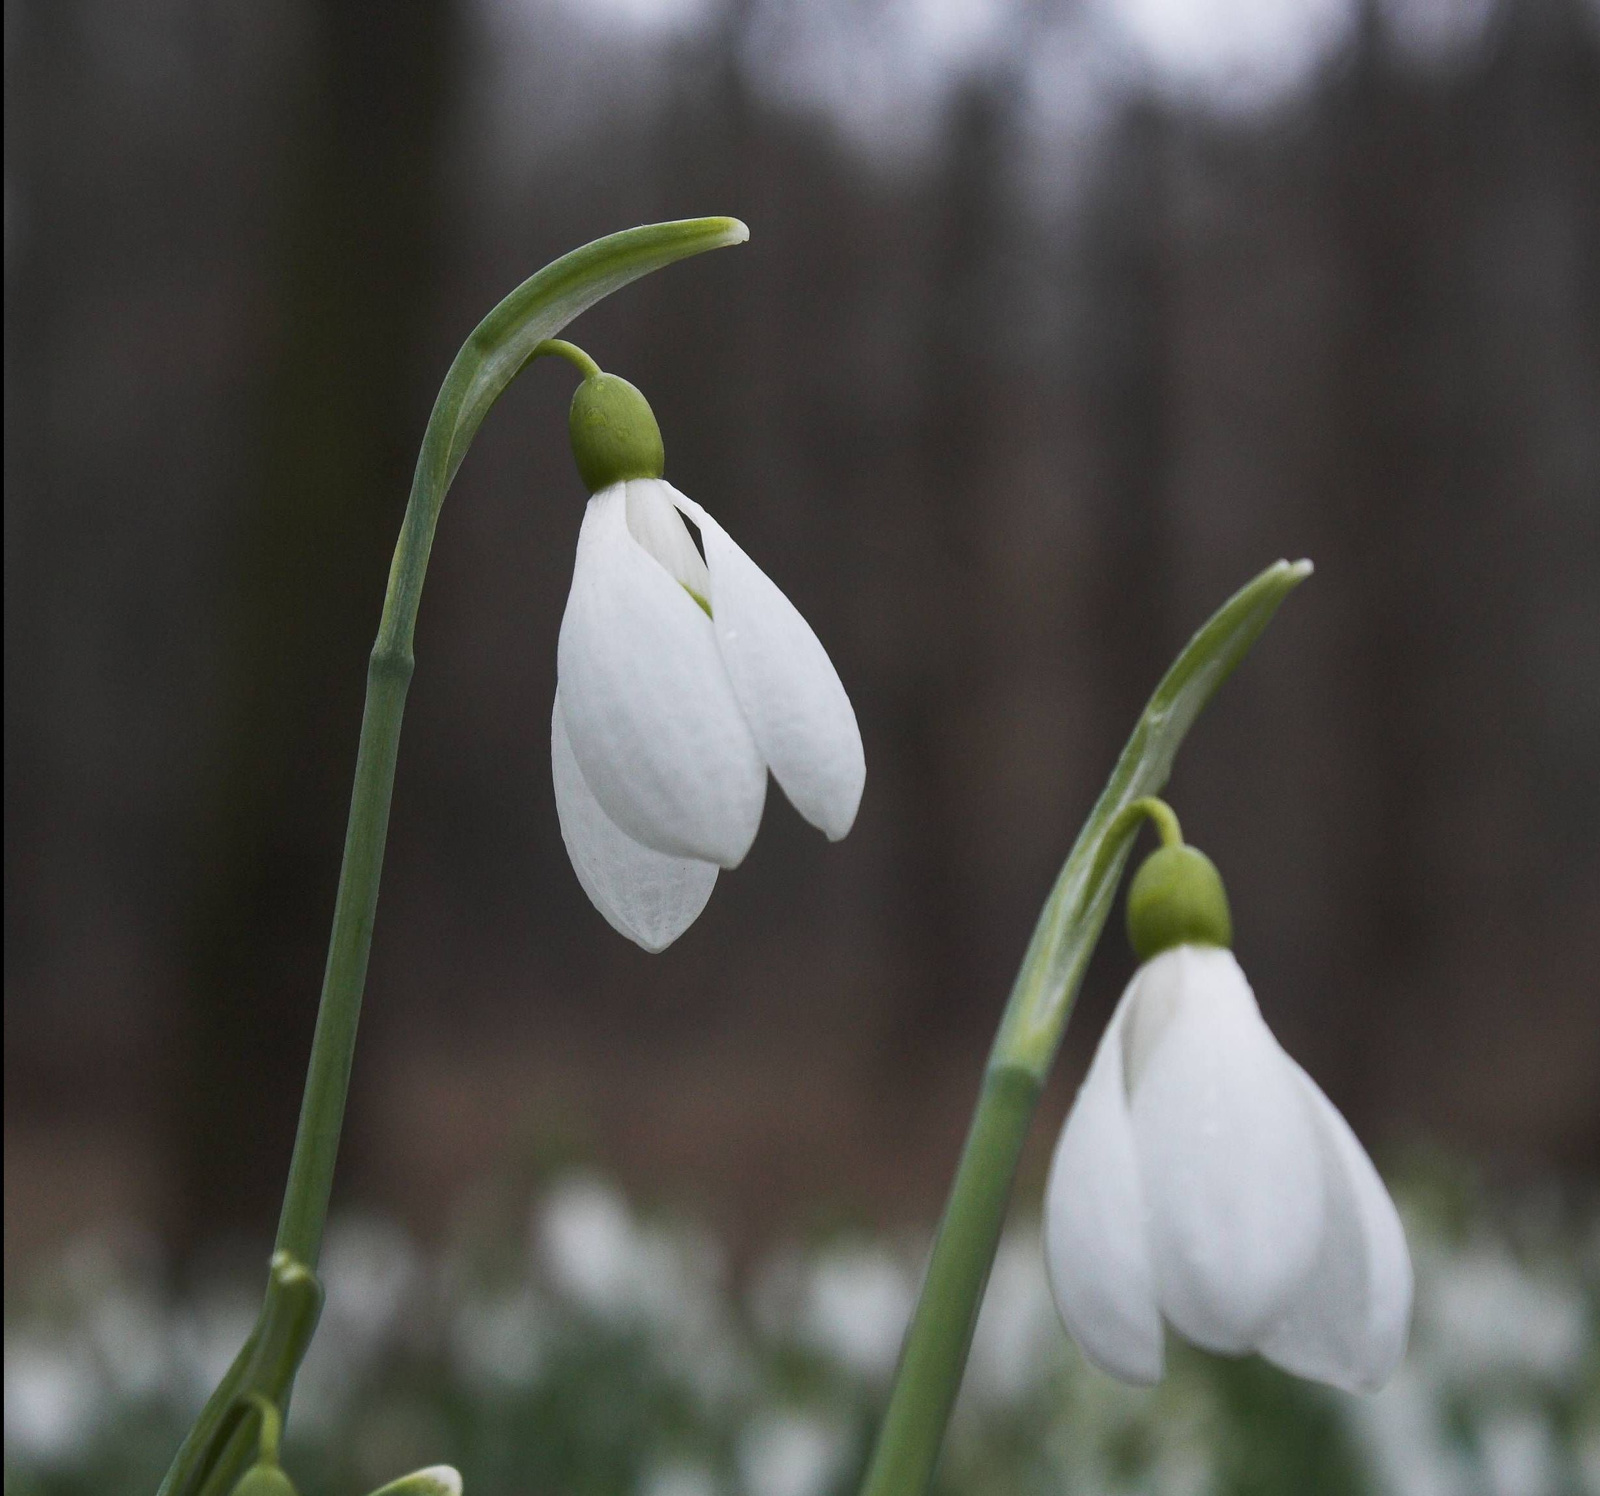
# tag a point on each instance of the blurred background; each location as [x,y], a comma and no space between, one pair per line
[1057,322]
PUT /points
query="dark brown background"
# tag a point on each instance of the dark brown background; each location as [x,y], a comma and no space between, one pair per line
[1013,383]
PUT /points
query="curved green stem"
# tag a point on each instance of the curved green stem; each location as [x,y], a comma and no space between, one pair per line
[1030,1032]
[1158,813]
[561,348]
[513,333]
[502,343]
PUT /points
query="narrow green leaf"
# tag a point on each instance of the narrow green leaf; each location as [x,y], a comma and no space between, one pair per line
[1076,911]
[436,1480]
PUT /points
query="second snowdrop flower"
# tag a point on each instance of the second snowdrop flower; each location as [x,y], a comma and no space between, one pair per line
[1203,1179]
[681,679]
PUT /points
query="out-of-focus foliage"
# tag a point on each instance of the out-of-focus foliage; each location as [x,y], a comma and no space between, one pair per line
[602,1350]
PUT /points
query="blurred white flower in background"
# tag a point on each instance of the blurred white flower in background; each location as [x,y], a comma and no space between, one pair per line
[669,1280]
[1406,1441]
[1589,1462]
[589,1245]
[791,1454]
[499,1340]
[1519,1455]
[1486,1314]
[207,1335]
[372,1277]
[679,1478]
[857,1302]
[53,1399]
[1016,1343]
[129,1333]
[504,1347]
[602,1257]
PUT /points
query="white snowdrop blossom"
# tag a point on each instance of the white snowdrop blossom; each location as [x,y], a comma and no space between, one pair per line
[680,682]
[1203,1178]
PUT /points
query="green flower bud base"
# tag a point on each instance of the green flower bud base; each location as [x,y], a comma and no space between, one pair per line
[264,1480]
[614,433]
[1177,898]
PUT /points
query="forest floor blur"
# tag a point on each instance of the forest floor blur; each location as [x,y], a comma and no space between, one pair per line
[558,1336]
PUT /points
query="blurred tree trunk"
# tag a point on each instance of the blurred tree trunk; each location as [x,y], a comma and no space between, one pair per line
[1130,243]
[341,416]
[934,711]
[1385,481]
[1123,271]
[37,273]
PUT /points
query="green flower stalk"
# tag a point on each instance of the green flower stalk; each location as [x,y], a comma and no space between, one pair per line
[1035,1018]
[220,1445]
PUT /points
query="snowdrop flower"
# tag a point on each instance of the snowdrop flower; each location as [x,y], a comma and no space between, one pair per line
[681,680]
[1203,1178]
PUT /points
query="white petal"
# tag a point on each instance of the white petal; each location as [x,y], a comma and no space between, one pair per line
[1228,1154]
[792,697]
[1348,1324]
[650,711]
[1094,1234]
[647,896]
[654,521]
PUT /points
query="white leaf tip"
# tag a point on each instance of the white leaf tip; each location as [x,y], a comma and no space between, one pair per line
[436,1480]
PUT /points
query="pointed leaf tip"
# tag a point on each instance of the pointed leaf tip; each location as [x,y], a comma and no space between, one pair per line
[436,1480]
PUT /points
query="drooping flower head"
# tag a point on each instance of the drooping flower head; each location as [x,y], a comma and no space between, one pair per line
[682,678]
[1204,1180]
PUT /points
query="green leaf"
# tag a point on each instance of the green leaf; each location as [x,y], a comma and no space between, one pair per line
[436,1480]
[1076,911]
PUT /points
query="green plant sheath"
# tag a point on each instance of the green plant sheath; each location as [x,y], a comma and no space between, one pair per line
[1035,1018]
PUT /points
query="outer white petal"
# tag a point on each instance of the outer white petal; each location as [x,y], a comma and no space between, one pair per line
[1348,1324]
[796,705]
[1094,1231]
[650,711]
[1228,1153]
[647,896]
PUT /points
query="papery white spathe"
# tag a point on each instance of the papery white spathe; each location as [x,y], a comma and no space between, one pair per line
[666,720]
[1202,1177]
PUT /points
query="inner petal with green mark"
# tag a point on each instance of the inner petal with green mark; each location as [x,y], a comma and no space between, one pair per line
[654,521]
